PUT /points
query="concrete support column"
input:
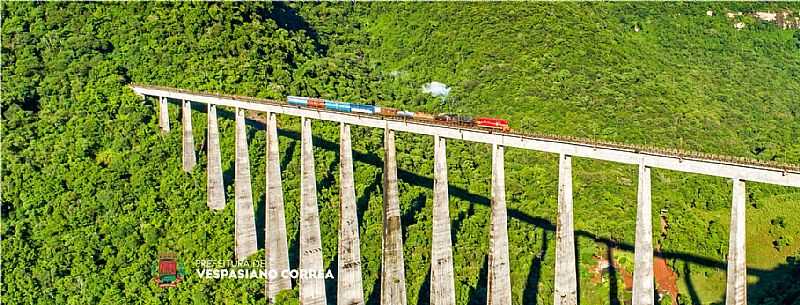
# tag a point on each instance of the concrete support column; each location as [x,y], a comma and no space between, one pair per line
[349,284]
[566,283]
[312,289]
[215,184]
[499,285]
[188,138]
[643,285]
[245,228]
[736,292]
[443,290]
[163,114]
[276,245]
[393,276]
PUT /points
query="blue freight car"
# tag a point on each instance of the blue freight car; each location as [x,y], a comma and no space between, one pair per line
[362,108]
[336,106]
[297,101]
[332,105]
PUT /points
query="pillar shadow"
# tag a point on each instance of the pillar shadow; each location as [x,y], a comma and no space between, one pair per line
[531,292]
[261,223]
[228,179]
[687,277]
[780,286]
[287,156]
[374,297]
[407,219]
[329,179]
[198,107]
[330,283]
[294,254]
[456,224]
[478,295]
[362,203]
[613,290]
[454,229]
[423,297]
[288,18]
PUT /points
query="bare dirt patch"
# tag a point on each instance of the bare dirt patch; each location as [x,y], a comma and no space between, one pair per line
[665,279]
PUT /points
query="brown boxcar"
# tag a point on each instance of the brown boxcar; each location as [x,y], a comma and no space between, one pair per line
[386,111]
[316,103]
[423,116]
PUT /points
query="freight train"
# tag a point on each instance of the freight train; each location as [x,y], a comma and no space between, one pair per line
[448,118]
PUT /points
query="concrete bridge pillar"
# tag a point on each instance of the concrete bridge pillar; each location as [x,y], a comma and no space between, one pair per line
[566,283]
[312,289]
[736,292]
[245,228]
[215,184]
[643,285]
[163,114]
[349,283]
[442,281]
[499,285]
[188,138]
[393,275]
[276,245]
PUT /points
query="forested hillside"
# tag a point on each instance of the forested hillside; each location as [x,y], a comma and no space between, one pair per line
[92,191]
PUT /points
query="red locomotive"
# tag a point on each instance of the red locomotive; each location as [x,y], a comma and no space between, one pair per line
[468,121]
[493,123]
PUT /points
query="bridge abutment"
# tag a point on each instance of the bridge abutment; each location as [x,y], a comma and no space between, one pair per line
[349,284]
[499,281]
[245,228]
[736,292]
[393,278]
[566,283]
[442,276]
[189,159]
[643,285]
[215,184]
[275,244]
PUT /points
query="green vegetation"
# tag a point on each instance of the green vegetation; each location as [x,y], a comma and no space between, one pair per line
[92,191]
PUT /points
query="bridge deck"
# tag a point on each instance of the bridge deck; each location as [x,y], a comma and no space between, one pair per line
[750,170]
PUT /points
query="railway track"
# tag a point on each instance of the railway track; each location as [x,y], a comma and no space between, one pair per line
[644,149]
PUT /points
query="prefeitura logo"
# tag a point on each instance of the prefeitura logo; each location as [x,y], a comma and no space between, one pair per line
[168,272]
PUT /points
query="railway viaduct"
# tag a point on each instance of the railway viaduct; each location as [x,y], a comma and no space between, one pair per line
[393,290]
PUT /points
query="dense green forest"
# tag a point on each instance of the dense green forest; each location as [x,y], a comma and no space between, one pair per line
[92,191]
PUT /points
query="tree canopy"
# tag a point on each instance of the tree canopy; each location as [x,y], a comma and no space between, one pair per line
[93,192]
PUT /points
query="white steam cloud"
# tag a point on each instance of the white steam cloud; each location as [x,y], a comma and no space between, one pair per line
[436,89]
